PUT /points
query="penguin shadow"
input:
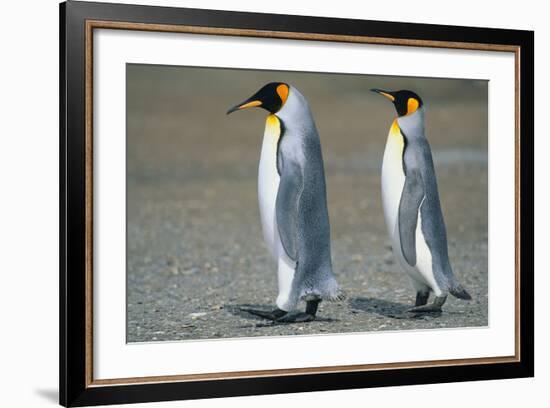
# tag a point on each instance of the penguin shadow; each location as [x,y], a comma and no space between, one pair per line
[386,308]
[239,310]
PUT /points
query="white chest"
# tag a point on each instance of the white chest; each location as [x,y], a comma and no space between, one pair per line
[393,177]
[268,184]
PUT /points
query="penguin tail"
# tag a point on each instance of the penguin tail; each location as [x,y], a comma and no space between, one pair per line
[459,292]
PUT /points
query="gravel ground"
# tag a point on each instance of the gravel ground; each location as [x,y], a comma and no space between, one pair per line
[195,249]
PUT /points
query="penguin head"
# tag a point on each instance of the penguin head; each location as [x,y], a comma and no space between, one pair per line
[405,102]
[271,97]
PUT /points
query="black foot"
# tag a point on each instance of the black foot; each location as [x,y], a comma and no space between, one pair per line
[311,307]
[296,318]
[431,308]
[269,315]
[421,298]
[308,316]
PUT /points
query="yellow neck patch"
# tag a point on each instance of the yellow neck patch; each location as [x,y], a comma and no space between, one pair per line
[412,105]
[282,91]
[273,127]
[396,136]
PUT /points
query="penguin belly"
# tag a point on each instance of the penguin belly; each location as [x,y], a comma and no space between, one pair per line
[268,186]
[393,177]
[393,182]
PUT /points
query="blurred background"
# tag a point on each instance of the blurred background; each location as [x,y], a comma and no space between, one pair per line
[195,247]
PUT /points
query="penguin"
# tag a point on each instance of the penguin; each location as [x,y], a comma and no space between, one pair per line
[411,205]
[293,203]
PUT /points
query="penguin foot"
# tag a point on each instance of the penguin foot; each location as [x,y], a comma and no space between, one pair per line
[269,315]
[296,318]
[421,298]
[308,316]
[431,308]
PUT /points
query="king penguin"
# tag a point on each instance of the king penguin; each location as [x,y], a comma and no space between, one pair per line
[293,204]
[411,205]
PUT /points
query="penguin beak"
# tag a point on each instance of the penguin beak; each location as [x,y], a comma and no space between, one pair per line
[249,103]
[387,94]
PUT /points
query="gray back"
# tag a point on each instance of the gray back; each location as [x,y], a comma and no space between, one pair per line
[302,214]
[418,158]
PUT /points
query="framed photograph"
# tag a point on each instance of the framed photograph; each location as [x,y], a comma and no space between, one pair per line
[256,204]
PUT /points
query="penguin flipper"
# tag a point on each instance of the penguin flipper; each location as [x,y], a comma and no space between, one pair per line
[288,198]
[409,206]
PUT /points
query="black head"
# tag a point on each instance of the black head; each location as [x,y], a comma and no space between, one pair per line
[405,102]
[271,97]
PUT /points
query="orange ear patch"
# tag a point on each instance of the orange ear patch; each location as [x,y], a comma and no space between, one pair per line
[282,91]
[412,105]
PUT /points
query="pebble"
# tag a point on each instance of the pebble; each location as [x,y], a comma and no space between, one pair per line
[196,315]
[190,271]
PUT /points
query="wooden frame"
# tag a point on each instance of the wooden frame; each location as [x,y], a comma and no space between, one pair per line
[77,22]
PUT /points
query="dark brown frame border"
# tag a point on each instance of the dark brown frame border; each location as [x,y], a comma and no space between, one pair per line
[80,19]
[96,24]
